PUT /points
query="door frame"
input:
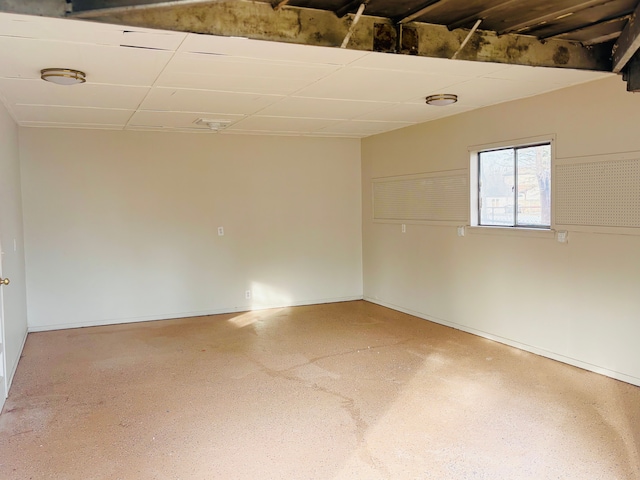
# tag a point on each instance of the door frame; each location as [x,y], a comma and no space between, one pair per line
[3,345]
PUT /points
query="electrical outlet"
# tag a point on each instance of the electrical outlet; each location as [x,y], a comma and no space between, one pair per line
[220,231]
[461,231]
[562,236]
[247,294]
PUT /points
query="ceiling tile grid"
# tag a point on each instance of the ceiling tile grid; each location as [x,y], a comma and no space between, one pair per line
[142,79]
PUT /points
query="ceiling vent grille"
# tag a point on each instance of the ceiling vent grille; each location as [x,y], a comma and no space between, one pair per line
[213,124]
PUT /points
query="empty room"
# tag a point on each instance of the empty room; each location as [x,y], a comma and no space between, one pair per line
[319,240]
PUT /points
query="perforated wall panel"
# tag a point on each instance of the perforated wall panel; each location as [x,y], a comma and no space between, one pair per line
[428,197]
[605,193]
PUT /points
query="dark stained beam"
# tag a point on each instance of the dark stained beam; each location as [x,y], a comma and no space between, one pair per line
[631,74]
[533,22]
[429,6]
[258,20]
[483,14]
[628,42]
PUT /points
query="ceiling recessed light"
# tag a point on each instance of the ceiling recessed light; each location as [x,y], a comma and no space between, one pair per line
[442,99]
[63,76]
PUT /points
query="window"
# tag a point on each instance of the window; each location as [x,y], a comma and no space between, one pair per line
[514,186]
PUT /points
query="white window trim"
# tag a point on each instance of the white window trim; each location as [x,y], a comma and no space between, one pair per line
[474,225]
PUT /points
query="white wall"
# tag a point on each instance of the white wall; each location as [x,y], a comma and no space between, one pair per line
[577,302]
[15,308]
[122,226]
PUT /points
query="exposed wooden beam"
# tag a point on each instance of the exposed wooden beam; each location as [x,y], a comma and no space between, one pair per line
[601,23]
[422,11]
[258,20]
[632,74]
[482,15]
[628,42]
[601,39]
[533,22]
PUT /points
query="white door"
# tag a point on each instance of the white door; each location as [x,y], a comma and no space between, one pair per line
[3,360]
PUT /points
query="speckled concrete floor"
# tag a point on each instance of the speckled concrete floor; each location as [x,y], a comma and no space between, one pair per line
[338,391]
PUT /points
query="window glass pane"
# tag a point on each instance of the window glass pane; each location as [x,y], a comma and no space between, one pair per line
[534,186]
[497,176]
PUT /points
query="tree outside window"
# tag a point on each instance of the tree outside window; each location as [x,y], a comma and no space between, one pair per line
[515,186]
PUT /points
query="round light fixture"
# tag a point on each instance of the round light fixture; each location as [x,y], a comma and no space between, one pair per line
[442,99]
[63,76]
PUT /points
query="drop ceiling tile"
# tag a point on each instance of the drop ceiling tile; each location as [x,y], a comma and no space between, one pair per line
[414,63]
[413,112]
[547,76]
[320,108]
[200,63]
[232,83]
[280,124]
[76,115]
[24,58]
[190,129]
[23,91]
[80,31]
[33,26]
[182,100]
[486,91]
[154,39]
[363,128]
[262,133]
[378,85]
[89,126]
[242,47]
[144,118]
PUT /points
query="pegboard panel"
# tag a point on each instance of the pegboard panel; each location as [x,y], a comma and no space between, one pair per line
[437,197]
[598,193]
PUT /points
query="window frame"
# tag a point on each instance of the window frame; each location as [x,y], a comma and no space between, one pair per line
[474,177]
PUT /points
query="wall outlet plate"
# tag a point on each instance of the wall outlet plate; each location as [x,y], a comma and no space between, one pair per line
[220,231]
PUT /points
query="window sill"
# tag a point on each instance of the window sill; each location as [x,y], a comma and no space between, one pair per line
[513,231]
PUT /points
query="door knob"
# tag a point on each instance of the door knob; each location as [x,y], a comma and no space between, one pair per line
[4,281]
